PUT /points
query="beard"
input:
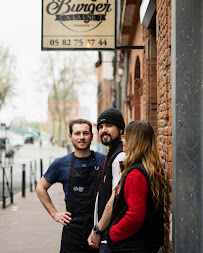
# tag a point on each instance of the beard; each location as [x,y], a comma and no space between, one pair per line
[108,142]
[78,147]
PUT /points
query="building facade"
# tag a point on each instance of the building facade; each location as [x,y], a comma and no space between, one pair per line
[162,84]
[139,80]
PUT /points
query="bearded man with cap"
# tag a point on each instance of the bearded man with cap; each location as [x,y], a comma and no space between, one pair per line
[110,125]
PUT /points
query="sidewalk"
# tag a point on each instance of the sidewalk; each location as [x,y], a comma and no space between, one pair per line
[26,227]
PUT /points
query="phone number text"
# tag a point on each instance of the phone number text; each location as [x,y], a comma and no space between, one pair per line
[78,42]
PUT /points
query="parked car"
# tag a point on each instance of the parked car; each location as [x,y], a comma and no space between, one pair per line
[17,141]
[6,145]
[29,138]
[9,151]
[2,142]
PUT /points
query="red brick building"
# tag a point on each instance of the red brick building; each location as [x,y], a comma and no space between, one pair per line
[144,78]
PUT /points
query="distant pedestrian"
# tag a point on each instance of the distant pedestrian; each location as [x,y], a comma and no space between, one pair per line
[40,142]
[52,140]
[78,172]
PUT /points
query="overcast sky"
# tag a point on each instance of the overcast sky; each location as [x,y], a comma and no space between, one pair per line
[20,31]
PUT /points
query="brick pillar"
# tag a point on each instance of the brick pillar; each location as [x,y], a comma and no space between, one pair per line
[164,110]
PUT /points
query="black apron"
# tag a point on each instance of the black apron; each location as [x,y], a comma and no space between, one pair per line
[80,202]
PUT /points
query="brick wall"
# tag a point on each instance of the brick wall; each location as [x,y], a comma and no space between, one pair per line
[164,108]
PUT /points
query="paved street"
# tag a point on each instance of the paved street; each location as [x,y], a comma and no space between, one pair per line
[26,227]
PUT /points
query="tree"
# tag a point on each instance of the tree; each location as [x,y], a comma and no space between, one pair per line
[7,76]
[63,74]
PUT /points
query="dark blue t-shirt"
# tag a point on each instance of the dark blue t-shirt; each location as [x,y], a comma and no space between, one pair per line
[59,170]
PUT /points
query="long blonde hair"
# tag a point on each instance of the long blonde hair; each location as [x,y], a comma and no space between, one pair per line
[141,147]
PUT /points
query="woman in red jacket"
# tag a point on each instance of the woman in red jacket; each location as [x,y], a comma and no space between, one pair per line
[137,219]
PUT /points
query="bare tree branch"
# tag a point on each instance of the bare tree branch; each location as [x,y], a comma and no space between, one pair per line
[7,75]
[63,74]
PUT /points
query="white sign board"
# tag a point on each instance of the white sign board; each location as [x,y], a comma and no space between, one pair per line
[78,24]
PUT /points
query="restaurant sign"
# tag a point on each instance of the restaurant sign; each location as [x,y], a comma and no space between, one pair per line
[78,24]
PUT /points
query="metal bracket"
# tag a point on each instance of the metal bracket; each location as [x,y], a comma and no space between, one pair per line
[130,47]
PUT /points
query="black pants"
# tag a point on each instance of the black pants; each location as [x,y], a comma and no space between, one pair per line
[104,248]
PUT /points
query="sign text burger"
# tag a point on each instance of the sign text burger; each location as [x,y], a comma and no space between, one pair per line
[78,24]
